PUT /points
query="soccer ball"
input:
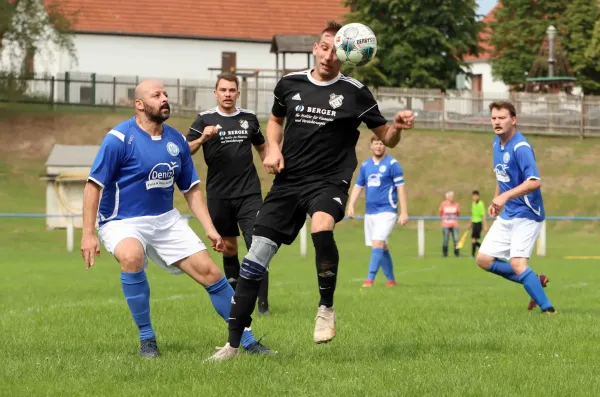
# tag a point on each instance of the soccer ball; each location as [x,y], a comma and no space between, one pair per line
[355,44]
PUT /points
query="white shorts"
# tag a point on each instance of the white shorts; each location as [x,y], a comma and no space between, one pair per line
[379,226]
[511,238]
[166,238]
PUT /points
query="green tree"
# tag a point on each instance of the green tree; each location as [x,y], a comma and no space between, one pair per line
[420,43]
[28,26]
[581,17]
[518,34]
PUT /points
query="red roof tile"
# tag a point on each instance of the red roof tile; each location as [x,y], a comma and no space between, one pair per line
[205,18]
[486,49]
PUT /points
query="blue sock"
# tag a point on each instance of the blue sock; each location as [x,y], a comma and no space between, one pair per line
[376,255]
[534,288]
[221,294]
[505,270]
[137,293]
[387,265]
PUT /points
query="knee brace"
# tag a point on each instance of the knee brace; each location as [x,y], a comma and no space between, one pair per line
[256,263]
[326,252]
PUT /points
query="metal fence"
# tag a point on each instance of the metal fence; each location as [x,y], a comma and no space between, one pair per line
[552,114]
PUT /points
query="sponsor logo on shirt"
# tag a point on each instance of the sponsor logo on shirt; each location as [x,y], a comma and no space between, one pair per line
[162,175]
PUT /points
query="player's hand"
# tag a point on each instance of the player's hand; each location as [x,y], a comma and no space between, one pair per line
[404,119]
[90,248]
[273,161]
[350,212]
[217,243]
[209,132]
[403,219]
[493,211]
[498,203]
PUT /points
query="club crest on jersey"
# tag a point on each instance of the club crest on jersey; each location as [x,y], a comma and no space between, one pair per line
[162,175]
[506,157]
[244,124]
[335,100]
[173,149]
[382,168]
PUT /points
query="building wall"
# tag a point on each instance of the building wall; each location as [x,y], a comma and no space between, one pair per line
[489,85]
[160,57]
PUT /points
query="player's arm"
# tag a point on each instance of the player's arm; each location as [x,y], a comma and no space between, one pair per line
[261,150]
[526,163]
[196,136]
[258,140]
[356,190]
[361,180]
[403,219]
[105,165]
[273,161]
[368,112]
[197,204]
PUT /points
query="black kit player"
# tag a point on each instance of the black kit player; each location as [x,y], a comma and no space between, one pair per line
[226,134]
[313,170]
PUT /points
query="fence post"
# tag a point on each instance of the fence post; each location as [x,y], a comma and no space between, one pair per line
[93,88]
[582,121]
[541,243]
[443,97]
[67,88]
[51,97]
[114,94]
[70,233]
[256,94]
[303,238]
[421,237]
[244,92]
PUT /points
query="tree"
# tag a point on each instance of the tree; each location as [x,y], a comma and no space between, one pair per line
[581,17]
[420,43]
[518,34]
[28,26]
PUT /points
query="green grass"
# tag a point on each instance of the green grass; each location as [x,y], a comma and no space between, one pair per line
[448,328]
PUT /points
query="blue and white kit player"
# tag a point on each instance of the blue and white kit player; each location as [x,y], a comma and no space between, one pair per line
[134,173]
[518,206]
[383,178]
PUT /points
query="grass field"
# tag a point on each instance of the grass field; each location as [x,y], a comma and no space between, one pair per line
[448,329]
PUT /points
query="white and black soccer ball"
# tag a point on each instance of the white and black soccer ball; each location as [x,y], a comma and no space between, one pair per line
[355,44]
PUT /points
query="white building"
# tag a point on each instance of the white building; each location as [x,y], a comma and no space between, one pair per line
[183,43]
[480,69]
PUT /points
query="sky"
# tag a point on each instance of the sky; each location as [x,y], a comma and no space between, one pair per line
[485,6]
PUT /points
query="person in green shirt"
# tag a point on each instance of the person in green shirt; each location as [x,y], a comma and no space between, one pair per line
[478,221]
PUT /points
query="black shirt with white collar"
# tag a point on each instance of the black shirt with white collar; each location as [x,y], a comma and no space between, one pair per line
[321,129]
[228,155]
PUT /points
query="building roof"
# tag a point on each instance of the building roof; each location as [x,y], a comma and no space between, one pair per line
[231,19]
[293,43]
[72,155]
[486,49]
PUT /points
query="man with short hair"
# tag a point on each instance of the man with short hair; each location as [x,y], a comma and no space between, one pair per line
[449,211]
[478,221]
[313,166]
[383,178]
[135,171]
[517,206]
[226,134]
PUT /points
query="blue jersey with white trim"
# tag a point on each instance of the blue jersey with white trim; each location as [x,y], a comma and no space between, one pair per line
[138,171]
[514,163]
[380,179]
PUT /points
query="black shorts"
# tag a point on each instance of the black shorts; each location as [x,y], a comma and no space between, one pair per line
[226,214]
[286,205]
[476,230]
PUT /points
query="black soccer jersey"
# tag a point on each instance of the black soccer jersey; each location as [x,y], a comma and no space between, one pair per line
[321,129]
[228,155]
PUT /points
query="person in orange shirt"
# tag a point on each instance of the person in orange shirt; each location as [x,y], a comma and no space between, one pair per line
[449,211]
